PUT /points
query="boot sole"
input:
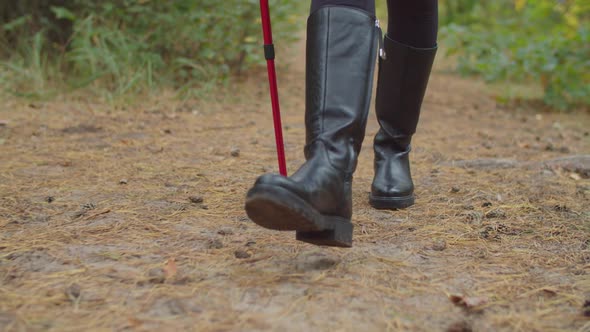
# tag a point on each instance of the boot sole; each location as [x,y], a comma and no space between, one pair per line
[277,208]
[391,203]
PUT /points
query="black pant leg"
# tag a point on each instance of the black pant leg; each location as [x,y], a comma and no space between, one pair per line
[413,22]
[366,5]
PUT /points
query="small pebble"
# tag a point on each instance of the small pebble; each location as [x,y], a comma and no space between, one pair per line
[481,253]
[215,244]
[79,213]
[88,206]
[235,152]
[316,261]
[157,275]
[461,326]
[496,213]
[242,254]
[123,181]
[474,216]
[196,199]
[323,263]
[73,292]
[455,190]
[439,245]
[579,273]
[225,231]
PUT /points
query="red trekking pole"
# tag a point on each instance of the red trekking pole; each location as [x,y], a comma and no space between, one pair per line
[269,54]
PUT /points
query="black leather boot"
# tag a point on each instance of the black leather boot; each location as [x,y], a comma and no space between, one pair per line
[316,201]
[403,77]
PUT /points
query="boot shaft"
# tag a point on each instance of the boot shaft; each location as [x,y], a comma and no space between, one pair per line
[341,54]
[402,82]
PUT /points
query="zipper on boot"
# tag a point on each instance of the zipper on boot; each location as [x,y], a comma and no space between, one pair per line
[382,53]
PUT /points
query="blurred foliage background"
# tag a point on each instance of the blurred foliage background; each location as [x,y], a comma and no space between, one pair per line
[116,47]
[542,41]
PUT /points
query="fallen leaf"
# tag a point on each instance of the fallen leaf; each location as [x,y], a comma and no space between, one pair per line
[170,269]
[468,302]
[134,322]
[524,145]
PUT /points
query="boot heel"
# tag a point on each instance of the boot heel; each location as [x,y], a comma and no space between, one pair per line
[391,203]
[339,236]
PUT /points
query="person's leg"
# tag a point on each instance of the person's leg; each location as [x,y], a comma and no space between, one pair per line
[366,5]
[413,23]
[410,48]
[316,201]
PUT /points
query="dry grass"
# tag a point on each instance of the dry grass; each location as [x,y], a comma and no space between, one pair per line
[121,246]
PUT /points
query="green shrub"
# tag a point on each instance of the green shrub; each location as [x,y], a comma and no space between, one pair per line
[546,41]
[122,46]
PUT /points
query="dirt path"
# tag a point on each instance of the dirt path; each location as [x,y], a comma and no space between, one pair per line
[116,219]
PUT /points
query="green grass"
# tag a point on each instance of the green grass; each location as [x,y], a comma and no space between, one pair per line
[117,48]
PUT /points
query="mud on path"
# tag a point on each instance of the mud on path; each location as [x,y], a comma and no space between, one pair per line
[132,219]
